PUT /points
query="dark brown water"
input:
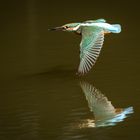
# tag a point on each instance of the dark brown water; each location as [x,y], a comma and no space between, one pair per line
[40,95]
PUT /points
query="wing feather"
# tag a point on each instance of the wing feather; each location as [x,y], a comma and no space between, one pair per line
[90,47]
[96,21]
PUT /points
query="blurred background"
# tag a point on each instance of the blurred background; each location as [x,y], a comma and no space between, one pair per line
[40,96]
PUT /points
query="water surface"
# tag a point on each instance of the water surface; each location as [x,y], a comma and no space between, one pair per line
[40,94]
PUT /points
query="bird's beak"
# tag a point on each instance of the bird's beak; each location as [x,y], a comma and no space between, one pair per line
[57,29]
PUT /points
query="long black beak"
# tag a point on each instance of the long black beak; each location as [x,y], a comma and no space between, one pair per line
[57,29]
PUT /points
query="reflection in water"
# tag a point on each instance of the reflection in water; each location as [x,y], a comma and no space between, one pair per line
[104,112]
[80,123]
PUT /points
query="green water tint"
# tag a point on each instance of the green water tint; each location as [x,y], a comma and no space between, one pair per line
[40,96]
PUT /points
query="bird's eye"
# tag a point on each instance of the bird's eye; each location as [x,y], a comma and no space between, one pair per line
[66,27]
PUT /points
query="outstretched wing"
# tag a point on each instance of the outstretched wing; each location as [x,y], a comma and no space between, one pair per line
[98,103]
[90,47]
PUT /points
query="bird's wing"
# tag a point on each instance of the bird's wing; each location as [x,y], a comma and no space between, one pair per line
[96,21]
[98,103]
[90,47]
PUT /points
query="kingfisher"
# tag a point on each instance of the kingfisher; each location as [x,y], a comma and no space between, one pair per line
[92,32]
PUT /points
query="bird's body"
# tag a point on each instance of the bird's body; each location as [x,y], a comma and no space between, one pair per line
[92,32]
[105,26]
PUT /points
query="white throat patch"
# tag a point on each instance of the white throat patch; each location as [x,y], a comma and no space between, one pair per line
[76,28]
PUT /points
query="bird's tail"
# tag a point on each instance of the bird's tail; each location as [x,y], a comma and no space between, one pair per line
[116,28]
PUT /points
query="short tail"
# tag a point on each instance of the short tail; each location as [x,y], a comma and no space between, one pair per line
[116,28]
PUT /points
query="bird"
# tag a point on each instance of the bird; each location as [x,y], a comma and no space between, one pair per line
[105,114]
[92,32]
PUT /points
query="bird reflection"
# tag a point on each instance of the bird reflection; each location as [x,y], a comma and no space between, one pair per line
[105,114]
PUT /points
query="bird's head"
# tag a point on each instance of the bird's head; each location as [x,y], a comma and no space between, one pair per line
[67,27]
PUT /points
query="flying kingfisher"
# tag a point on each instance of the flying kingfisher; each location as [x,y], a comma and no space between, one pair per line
[92,32]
